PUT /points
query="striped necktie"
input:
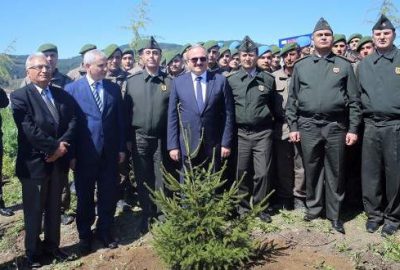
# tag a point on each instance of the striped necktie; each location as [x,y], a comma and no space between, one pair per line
[53,111]
[95,90]
[199,94]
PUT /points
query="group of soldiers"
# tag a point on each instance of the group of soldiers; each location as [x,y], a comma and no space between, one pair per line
[303,113]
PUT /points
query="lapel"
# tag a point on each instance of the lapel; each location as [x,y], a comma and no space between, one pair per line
[57,100]
[209,88]
[191,90]
[40,102]
[88,96]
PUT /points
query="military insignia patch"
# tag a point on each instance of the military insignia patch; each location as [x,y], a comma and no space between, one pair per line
[336,70]
[163,87]
[261,88]
[397,70]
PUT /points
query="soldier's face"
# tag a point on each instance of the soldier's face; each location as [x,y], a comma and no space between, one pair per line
[98,69]
[39,71]
[366,49]
[52,58]
[264,61]
[290,58]
[323,40]
[176,65]
[127,61]
[114,61]
[213,55]
[235,61]
[383,39]
[224,59]
[339,48]
[197,60]
[354,43]
[276,60]
[248,60]
[305,51]
[151,58]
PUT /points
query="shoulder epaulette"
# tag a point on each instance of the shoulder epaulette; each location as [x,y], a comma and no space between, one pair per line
[302,58]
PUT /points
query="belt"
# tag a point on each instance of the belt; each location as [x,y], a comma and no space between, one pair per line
[257,128]
[332,117]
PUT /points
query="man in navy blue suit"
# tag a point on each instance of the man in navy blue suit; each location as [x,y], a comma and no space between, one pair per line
[100,147]
[202,103]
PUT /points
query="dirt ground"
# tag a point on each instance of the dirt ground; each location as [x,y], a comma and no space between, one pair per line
[293,244]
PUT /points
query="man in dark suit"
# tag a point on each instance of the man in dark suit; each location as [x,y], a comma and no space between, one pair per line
[205,112]
[46,124]
[100,147]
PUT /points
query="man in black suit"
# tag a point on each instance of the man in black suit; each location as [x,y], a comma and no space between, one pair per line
[46,122]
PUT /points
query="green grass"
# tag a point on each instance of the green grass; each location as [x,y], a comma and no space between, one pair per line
[11,234]
[391,248]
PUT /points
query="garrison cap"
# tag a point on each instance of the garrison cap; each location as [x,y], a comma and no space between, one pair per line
[263,49]
[362,41]
[47,47]
[152,44]
[339,37]
[111,49]
[248,45]
[170,56]
[185,48]
[383,23]
[275,49]
[210,44]
[223,50]
[289,47]
[128,51]
[303,41]
[87,47]
[353,36]
[322,24]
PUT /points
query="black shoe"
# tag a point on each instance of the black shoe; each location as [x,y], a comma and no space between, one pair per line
[371,226]
[59,255]
[309,217]
[144,225]
[66,219]
[33,262]
[338,225]
[388,230]
[108,241]
[85,246]
[6,212]
[122,206]
[265,217]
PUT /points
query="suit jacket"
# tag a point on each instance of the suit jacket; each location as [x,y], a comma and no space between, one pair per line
[38,134]
[216,121]
[99,135]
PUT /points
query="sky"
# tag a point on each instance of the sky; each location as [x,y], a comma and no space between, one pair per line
[26,24]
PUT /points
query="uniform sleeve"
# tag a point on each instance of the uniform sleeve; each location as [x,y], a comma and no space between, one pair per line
[354,106]
[292,104]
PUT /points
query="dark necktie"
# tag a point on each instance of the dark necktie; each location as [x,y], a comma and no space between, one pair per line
[199,94]
[95,91]
[50,105]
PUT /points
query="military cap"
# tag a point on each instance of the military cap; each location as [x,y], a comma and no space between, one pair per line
[210,44]
[339,37]
[170,56]
[128,51]
[47,47]
[185,48]
[353,36]
[234,45]
[275,49]
[87,47]
[152,44]
[234,51]
[303,41]
[223,50]
[362,41]
[322,24]
[247,45]
[263,49]
[111,49]
[289,47]
[383,23]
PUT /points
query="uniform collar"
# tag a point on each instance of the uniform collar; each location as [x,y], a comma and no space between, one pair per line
[244,74]
[147,76]
[281,74]
[330,57]
[388,55]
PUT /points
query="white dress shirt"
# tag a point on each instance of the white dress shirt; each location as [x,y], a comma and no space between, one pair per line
[100,91]
[203,83]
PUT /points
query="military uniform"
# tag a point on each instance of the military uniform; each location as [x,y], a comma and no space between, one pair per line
[379,78]
[323,104]
[253,97]
[149,96]
[287,155]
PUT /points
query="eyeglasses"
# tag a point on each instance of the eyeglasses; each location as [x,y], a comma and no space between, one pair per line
[196,59]
[40,67]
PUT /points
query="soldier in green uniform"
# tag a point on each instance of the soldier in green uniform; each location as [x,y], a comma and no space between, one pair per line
[379,78]
[149,92]
[224,59]
[289,182]
[213,55]
[116,74]
[174,64]
[323,112]
[365,46]
[353,41]
[234,64]
[276,58]
[264,58]
[253,93]
[80,71]
[339,44]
